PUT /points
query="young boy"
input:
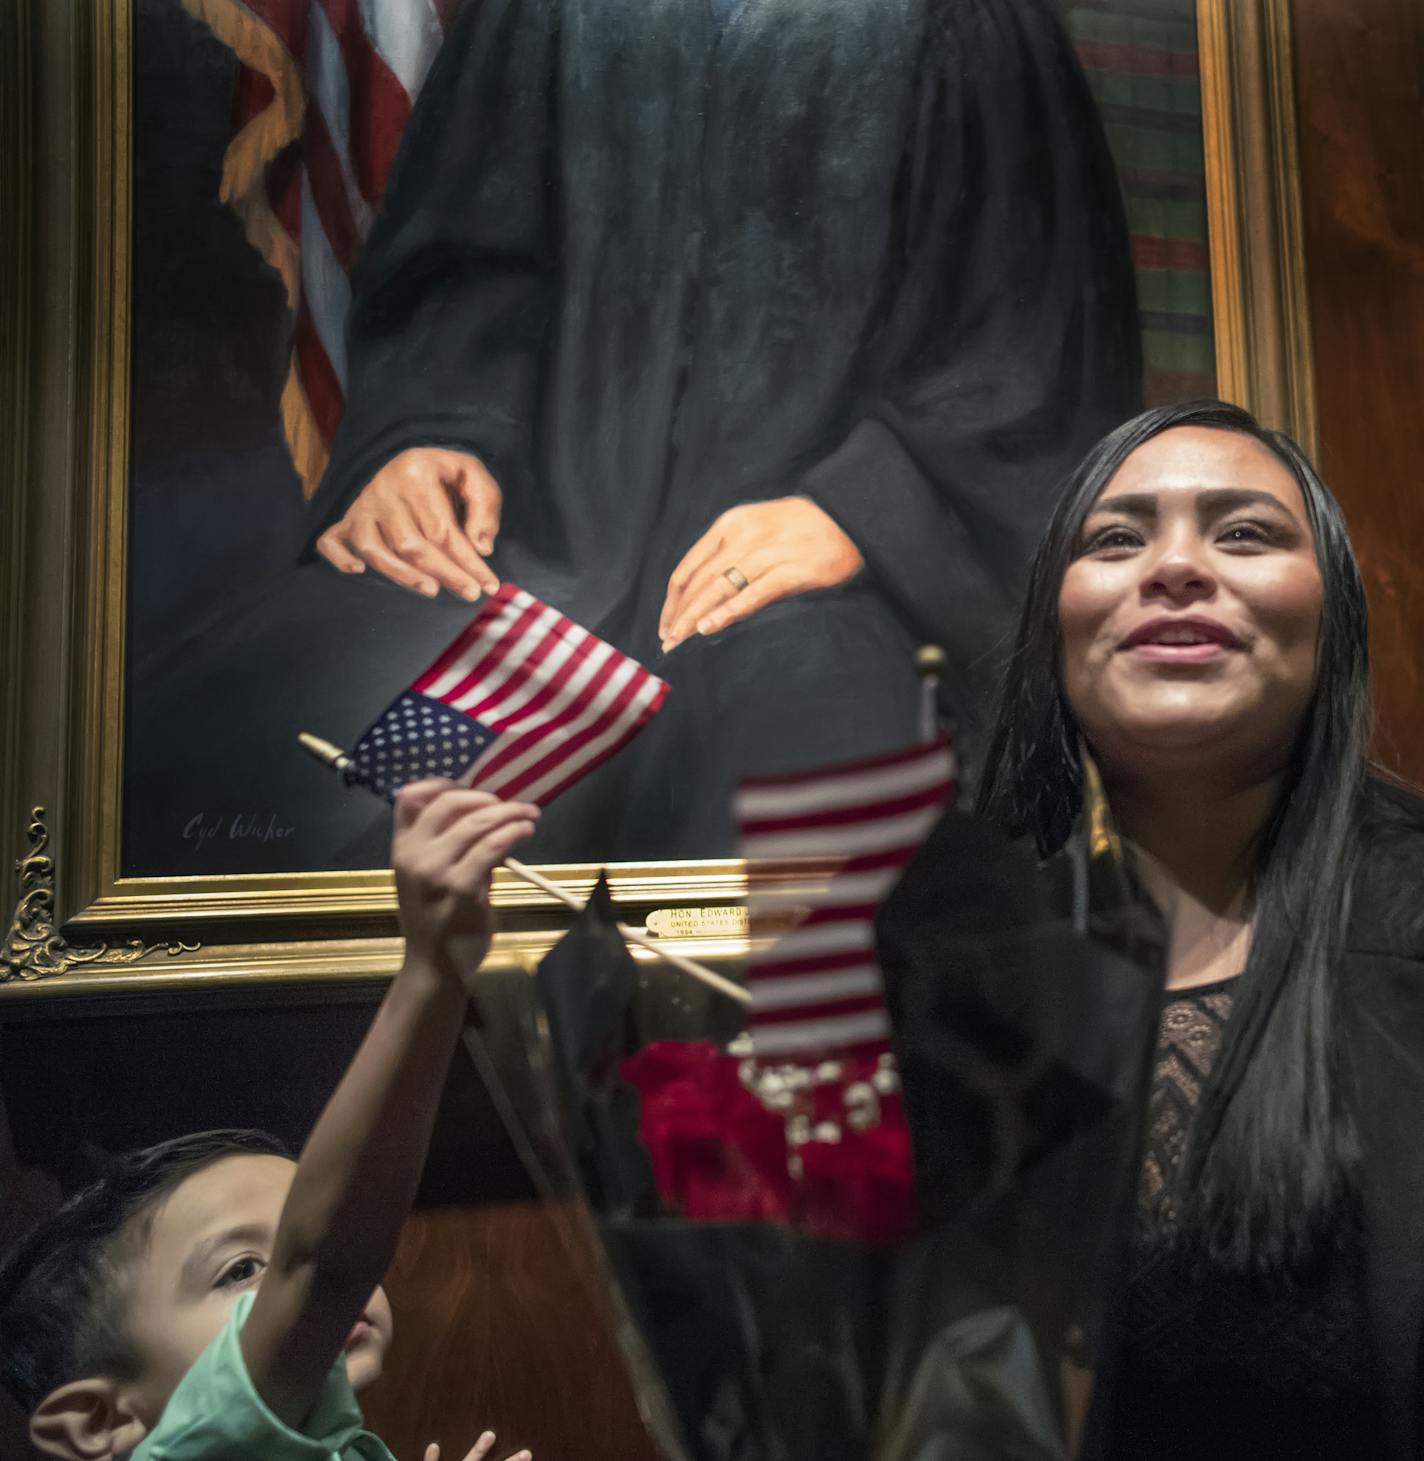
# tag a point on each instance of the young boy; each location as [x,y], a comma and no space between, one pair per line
[209,1300]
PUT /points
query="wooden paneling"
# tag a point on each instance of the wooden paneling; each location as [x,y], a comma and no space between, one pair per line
[496,1326]
[1360,74]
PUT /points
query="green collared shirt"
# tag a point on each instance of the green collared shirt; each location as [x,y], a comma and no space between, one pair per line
[216,1414]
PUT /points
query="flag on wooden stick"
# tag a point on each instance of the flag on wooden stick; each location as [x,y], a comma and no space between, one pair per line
[522,703]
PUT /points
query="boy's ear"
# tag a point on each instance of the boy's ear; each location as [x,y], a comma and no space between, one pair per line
[86,1420]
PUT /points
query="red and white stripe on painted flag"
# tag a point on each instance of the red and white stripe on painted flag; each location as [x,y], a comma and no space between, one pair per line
[324,90]
[830,844]
[555,699]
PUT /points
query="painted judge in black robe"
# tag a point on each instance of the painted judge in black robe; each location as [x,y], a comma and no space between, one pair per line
[822,295]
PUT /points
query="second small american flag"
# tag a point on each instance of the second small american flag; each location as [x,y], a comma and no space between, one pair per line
[823,849]
[522,703]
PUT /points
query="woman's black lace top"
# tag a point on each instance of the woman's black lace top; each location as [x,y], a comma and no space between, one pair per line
[1213,1361]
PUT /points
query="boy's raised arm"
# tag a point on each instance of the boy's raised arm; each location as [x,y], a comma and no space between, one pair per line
[359,1170]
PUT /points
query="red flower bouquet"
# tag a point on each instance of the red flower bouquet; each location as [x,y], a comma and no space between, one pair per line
[824,1148]
[718,1153]
[883,1256]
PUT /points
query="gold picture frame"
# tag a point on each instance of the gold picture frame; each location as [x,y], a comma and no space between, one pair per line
[80,929]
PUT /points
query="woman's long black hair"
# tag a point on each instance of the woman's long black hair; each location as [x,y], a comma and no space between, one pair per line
[1270,1150]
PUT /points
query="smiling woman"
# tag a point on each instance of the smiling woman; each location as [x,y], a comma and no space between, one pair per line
[1197,624]
[1191,613]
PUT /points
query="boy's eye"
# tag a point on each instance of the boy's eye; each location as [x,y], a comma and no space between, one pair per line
[241,1271]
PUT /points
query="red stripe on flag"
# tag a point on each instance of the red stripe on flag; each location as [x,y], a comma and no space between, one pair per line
[380,106]
[252,95]
[516,742]
[807,1014]
[284,190]
[490,610]
[518,677]
[329,191]
[846,816]
[586,763]
[844,770]
[787,1044]
[822,963]
[619,708]
[856,799]
[583,647]
[498,650]
[509,720]
[319,382]
[288,22]
[285,18]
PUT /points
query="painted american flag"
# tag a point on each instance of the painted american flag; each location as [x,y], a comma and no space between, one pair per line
[323,95]
[522,703]
[829,844]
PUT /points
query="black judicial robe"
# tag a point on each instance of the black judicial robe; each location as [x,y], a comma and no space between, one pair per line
[649,260]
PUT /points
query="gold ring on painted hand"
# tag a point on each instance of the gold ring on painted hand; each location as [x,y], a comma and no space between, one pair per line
[736,578]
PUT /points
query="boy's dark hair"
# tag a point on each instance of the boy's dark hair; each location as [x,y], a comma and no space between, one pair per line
[61,1291]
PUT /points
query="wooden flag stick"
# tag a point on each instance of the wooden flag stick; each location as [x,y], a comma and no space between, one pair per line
[633,935]
[338,760]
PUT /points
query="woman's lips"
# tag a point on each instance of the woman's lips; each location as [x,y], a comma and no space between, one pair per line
[1181,640]
[1179,654]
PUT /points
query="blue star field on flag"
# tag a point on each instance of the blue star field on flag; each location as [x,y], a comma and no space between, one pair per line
[417,737]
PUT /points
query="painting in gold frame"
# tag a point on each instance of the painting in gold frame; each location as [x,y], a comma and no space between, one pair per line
[85,924]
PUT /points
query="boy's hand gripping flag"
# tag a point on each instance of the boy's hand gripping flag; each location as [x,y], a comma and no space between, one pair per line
[830,844]
[522,703]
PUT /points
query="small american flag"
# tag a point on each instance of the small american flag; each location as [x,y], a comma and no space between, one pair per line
[830,844]
[522,703]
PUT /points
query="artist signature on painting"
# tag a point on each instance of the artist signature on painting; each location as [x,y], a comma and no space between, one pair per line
[205,827]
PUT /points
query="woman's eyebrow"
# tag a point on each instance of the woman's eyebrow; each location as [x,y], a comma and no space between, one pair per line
[1217,500]
[1209,501]
[1132,504]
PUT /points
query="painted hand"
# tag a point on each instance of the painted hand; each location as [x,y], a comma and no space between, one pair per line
[750,557]
[427,520]
[447,841]
[478,1451]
